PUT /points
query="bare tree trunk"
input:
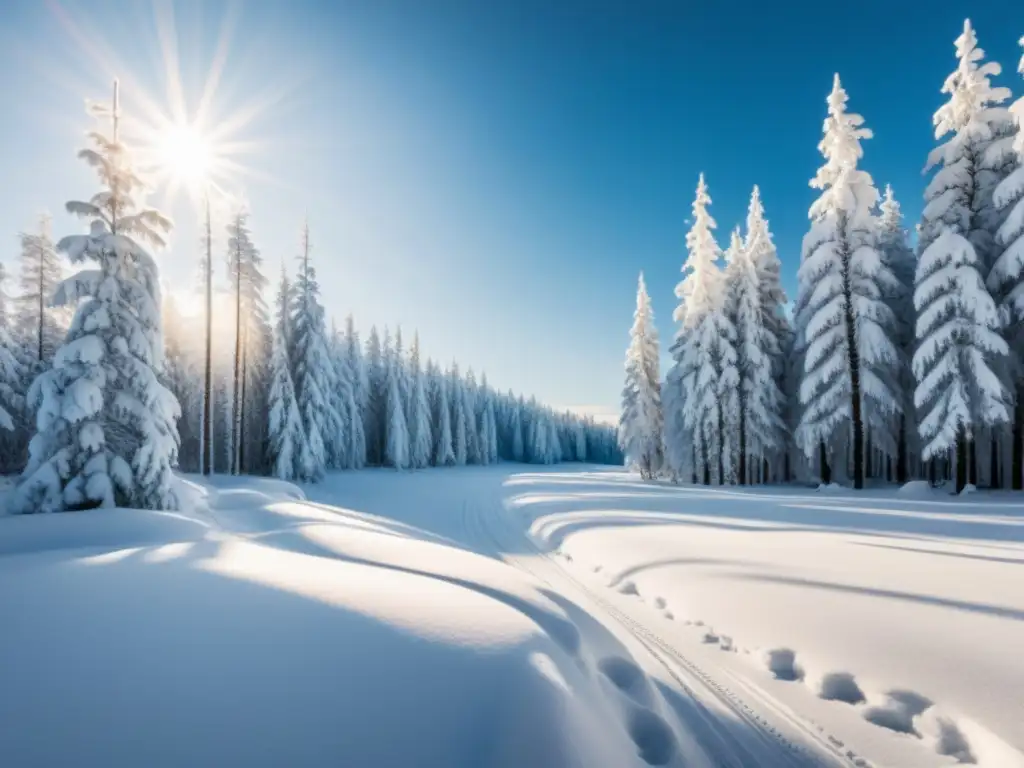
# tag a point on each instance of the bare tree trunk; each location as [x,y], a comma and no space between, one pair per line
[961,459]
[236,422]
[826,470]
[206,447]
[1017,460]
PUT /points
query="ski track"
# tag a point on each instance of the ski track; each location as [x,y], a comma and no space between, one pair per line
[767,720]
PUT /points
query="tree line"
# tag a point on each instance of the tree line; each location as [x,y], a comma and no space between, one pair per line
[898,360]
[107,387]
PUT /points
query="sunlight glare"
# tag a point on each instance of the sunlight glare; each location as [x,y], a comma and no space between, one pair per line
[185,155]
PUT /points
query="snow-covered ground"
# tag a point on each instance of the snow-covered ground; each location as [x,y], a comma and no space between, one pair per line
[489,616]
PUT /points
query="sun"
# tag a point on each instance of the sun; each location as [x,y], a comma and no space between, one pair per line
[185,155]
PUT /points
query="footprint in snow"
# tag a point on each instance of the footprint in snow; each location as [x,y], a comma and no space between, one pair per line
[781,662]
[628,588]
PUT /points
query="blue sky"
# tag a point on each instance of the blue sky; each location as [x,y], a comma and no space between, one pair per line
[494,174]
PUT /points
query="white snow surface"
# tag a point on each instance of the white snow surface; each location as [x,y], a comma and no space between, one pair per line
[489,617]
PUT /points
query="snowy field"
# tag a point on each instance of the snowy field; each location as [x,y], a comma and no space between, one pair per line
[491,617]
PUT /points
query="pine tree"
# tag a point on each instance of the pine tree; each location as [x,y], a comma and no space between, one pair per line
[396,451]
[960,355]
[444,452]
[314,372]
[758,415]
[357,368]
[518,447]
[10,381]
[704,353]
[39,326]
[287,445]
[458,405]
[761,249]
[1008,274]
[844,322]
[898,256]
[420,439]
[640,423]
[106,430]
[376,399]
[489,419]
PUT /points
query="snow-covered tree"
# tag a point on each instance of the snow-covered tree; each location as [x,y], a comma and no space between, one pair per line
[313,369]
[1008,274]
[459,425]
[844,323]
[961,356]
[39,326]
[758,413]
[10,381]
[396,449]
[444,452]
[761,249]
[516,427]
[286,440]
[899,258]
[490,421]
[640,434]
[374,410]
[105,424]
[704,355]
[419,423]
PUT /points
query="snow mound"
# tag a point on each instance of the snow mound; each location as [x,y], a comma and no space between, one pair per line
[270,631]
[916,489]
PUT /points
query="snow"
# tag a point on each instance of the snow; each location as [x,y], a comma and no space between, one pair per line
[486,616]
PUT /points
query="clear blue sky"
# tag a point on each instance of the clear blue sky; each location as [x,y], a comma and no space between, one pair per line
[496,174]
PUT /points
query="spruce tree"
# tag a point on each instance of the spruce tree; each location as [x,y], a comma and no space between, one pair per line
[758,418]
[640,430]
[313,369]
[1008,275]
[287,447]
[844,322]
[106,431]
[898,256]
[704,353]
[962,360]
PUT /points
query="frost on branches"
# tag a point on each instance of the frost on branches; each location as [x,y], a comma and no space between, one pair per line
[758,421]
[640,423]
[287,442]
[105,424]
[960,350]
[704,354]
[314,374]
[844,323]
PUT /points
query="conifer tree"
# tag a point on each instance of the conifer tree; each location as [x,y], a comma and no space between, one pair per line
[843,320]
[704,353]
[961,358]
[640,425]
[287,445]
[106,431]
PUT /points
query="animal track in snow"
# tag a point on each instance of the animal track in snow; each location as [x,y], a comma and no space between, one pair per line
[782,663]
[659,603]
[652,736]
[898,711]
[840,686]
[627,677]
[628,588]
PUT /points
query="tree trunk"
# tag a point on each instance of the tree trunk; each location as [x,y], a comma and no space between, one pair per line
[236,410]
[1017,461]
[743,446]
[854,361]
[707,459]
[208,380]
[241,401]
[765,471]
[721,447]
[993,463]
[42,305]
[961,459]
[972,462]
[826,470]
[901,452]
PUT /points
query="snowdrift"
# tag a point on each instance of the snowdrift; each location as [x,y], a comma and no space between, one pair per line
[263,630]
